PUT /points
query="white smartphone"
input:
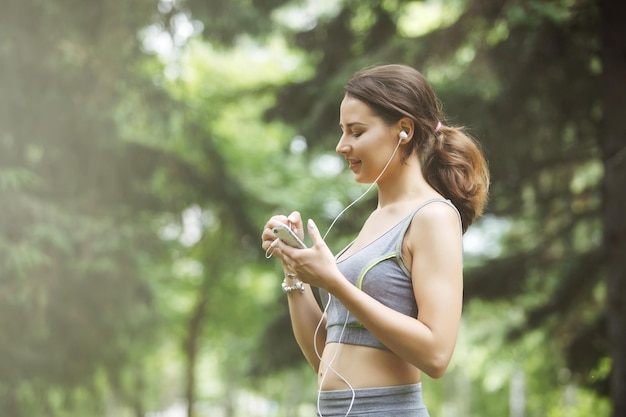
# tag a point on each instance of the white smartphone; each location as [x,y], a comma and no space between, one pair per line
[284,233]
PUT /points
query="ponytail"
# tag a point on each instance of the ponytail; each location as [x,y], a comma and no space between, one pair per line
[453,164]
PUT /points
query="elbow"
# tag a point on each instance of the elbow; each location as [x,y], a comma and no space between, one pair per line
[436,367]
[435,372]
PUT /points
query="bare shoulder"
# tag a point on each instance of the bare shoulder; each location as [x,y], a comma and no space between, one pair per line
[434,247]
[437,214]
[437,221]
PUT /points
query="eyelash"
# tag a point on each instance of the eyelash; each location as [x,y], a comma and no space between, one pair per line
[354,134]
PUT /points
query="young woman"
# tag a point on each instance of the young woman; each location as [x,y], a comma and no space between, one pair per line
[392,299]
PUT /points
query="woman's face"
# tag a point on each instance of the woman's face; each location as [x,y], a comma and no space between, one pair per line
[366,142]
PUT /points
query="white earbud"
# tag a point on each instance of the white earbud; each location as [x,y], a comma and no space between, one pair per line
[403,135]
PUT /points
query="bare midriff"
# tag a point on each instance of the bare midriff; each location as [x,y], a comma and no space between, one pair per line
[363,367]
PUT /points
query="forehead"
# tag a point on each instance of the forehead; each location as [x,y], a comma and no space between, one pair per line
[353,109]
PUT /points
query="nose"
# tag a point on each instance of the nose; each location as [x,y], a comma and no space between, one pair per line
[342,146]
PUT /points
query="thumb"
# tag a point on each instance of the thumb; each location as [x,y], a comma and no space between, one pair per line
[314,232]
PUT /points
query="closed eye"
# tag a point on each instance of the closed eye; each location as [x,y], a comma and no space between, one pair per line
[353,128]
[354,134]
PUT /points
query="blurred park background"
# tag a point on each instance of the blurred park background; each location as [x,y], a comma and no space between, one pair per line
[143,144]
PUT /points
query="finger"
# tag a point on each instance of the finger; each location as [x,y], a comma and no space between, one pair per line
[275,221]
[314,232]
[267,237]
[268,234]
[295,222]
[269,247]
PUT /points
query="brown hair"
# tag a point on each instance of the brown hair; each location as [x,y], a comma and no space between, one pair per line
[452,162]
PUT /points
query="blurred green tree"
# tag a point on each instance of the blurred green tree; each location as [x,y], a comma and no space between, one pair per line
[77,308]
[104,151]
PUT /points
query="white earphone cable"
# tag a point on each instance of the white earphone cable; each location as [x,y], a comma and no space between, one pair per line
[329,364]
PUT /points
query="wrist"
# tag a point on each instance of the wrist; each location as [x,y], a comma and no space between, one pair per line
[291,284]
[336,284]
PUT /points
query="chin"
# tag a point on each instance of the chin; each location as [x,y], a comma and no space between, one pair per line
[362,180]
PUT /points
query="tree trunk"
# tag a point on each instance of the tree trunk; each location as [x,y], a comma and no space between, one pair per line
[191,348]
[613,55]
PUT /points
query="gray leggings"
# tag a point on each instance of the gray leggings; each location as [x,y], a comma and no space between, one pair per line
[395,401]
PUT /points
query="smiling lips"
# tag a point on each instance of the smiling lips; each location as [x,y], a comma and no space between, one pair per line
[353,163]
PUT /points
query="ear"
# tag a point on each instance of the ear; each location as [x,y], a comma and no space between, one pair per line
[407,126]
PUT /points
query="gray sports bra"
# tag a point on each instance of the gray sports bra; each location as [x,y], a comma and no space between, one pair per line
[379,270]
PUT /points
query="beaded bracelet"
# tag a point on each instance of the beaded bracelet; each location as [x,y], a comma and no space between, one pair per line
[298,285]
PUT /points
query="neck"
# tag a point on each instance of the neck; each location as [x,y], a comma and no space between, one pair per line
[405,184]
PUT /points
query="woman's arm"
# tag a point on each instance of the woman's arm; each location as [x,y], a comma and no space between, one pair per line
[305,318]
[434,243]
[304,312]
